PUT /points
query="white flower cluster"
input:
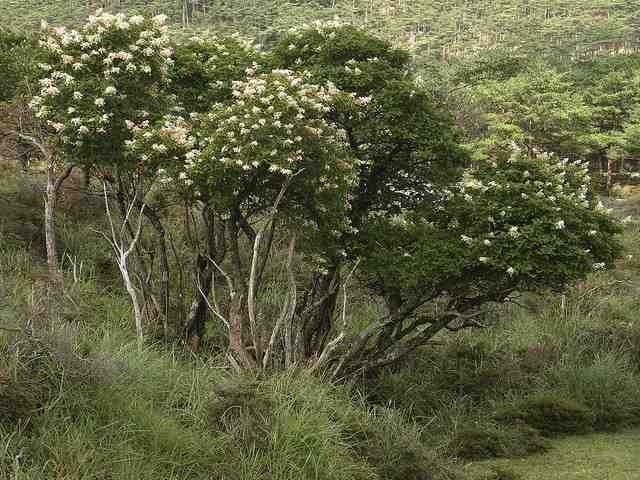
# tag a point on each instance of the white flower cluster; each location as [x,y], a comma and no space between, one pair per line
[169,145]
[272,122]
[85,77]
[324,28]
[515,189]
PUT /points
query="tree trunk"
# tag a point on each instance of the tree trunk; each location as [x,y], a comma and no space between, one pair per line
[193,330]
[320,320]
[163,300]
[236,339]
[55,278]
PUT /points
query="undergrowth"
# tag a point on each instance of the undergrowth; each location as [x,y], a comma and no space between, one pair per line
[79,400]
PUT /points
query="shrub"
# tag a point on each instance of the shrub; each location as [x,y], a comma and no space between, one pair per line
[490,441]
[298,418]
[608,388]
[550,414]
[24,387]
[35,370]
[241,407]
[395,450]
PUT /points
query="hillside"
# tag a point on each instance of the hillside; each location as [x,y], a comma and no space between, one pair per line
[434,28]
[314,260]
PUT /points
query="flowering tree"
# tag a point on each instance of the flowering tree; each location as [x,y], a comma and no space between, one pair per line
[404,146]
[101,81]
[435,242]
[99,84]
[337,156]
[515,224]
[268,157]
[206,66]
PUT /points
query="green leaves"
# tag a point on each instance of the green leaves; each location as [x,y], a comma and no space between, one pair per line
[101,82]
[539,108]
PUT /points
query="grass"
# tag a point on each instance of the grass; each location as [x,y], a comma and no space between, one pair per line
[590,457]
[79,401]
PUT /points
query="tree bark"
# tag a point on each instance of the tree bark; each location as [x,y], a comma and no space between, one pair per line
[320,320]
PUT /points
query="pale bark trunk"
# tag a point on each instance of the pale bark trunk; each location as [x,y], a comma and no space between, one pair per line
[55,279]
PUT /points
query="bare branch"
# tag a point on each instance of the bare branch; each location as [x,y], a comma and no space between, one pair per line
[213,310]
[287,309]
[63,176]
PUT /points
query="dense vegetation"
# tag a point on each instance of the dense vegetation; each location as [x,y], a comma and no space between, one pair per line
[330,255]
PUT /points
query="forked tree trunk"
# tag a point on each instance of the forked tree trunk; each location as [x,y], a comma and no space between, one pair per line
[51,197]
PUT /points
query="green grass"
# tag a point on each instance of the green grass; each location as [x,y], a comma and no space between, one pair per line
[81,402]
[590,457]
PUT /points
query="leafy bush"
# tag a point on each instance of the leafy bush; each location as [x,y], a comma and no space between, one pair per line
[278,415]
[608,388]
[491,441]
[551,414]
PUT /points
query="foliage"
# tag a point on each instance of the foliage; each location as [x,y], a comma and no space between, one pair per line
[551,415]
[539,108]
[478,442]
[206,67]
[101,81]
[18,58]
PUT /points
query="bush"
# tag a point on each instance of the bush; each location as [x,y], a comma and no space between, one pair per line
[490,441]
[241,407]
[550,414]
[394,449]
[309,423]
[34,370]
[608,388]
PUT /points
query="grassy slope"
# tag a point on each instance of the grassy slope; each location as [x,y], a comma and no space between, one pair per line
[89,405]
[590,457]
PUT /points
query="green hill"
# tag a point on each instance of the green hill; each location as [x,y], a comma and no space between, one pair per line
[436,28]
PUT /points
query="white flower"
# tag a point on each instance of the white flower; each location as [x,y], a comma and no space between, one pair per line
[82,130]
[511,271]
[483,259]
[487,242]
[136,20]
[559,225]
[51,90]
[77,96]
[99,102]
[598,266]
[513,232]
[159,19]
[191,154]
[593,232]
[110,90]
[466,239]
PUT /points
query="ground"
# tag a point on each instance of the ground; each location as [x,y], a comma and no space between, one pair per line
[599,456]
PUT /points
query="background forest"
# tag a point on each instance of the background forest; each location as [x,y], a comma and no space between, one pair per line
[420,260]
